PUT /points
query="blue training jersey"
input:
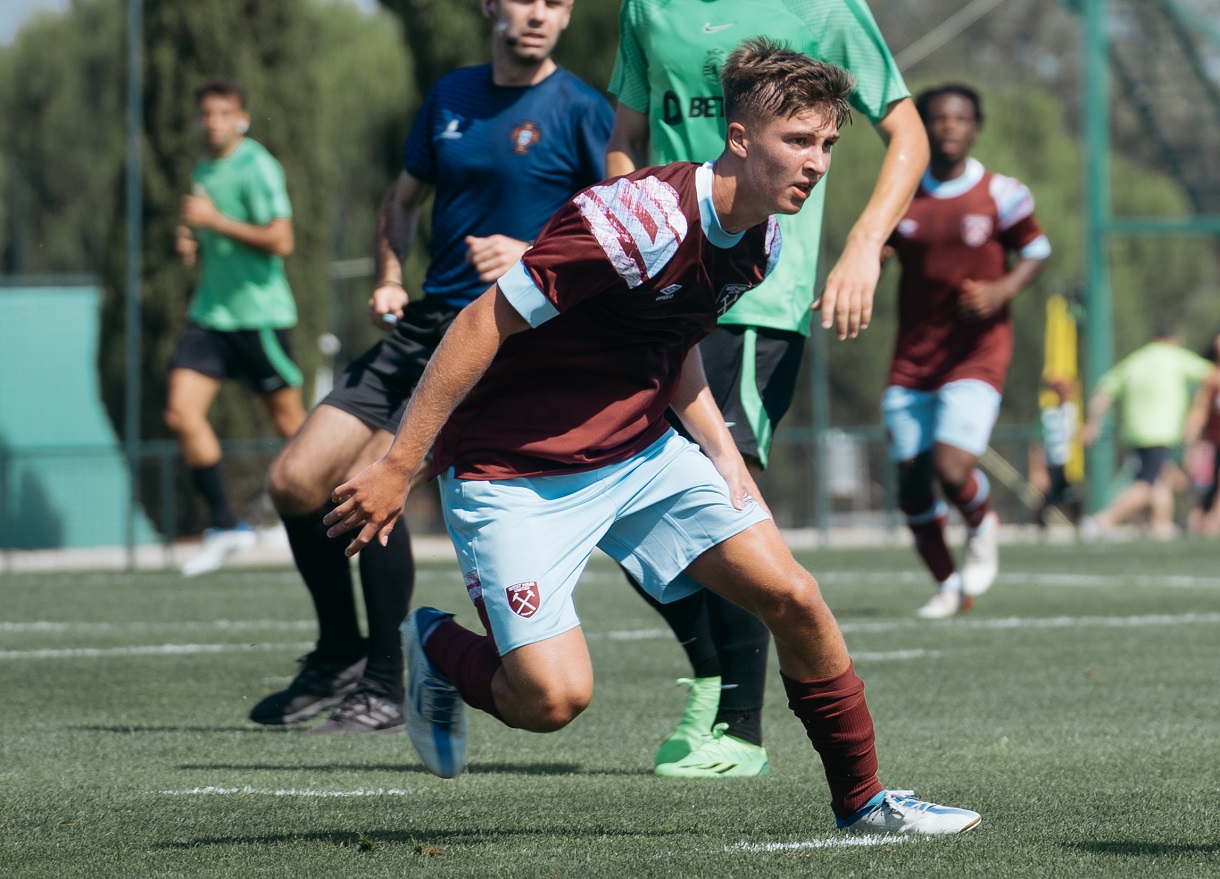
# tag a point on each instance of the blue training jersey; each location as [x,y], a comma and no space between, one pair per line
[502,159]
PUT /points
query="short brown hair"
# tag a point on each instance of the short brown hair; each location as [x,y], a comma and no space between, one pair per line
[763,78]
[226,88]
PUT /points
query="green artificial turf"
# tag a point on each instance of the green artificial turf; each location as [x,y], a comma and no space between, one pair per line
[1077,708]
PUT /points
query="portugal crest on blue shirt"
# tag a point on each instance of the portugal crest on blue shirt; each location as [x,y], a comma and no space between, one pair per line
[524,136]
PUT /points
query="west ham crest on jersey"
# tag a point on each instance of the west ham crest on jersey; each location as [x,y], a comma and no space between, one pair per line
[729,294]
[976,229]
[524,136]
[524,599]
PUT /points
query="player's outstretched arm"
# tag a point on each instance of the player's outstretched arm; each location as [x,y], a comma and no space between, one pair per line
[373,500]
[694,405]
[847,299]
[627,148]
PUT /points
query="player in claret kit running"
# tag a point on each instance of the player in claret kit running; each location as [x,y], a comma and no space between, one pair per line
[954,341]
[546,403]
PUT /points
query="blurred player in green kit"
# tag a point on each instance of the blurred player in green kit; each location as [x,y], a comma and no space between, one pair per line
[237,224]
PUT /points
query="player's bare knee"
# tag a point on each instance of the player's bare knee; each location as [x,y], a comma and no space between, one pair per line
[554,711]
[799,608]
[291,490]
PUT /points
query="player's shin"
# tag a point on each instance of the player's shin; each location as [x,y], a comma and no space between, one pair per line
[469,661]
[839,726]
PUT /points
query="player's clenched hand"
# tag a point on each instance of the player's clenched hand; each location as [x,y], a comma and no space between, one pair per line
[982,299]
[372,502]
[494,255]
[186,246]
[387,299]
[847,300]
[198,210]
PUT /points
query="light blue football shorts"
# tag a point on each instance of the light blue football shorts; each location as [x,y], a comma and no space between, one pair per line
[960,414]
[523,543]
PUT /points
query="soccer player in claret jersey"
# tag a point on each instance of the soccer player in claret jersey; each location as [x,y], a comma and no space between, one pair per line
[671,109]
[502,146]
[954,341]
[546,403]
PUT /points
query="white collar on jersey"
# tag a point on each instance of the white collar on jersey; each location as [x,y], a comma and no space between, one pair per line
[707,210]
[955,187]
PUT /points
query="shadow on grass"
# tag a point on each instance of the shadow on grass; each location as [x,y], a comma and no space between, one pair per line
[1136,848]
[471,769]
[426,837]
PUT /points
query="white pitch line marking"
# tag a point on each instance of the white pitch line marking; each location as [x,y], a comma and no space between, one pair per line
[1041,622]
[865,839]
[145,650]
[169,625]
[247,790]
[895,655]
[1144,581]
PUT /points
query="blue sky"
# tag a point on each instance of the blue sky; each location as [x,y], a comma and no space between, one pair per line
[15,13]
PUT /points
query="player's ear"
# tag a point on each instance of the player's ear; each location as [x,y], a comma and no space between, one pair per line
[738,142]
[489,8]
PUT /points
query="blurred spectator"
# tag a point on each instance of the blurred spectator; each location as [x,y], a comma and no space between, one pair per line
[1153,388]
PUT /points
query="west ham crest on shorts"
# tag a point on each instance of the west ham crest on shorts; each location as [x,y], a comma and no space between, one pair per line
[976,229]
[523,598]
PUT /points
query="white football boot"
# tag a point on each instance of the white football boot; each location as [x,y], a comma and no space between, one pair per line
[946,602]
[981,561]
[898,811]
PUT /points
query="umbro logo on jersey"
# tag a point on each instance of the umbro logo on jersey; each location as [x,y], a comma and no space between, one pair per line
[450,131]
[709,28]
[908,227]
[668,292]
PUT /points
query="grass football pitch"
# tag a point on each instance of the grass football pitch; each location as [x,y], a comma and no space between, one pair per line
[1077,708]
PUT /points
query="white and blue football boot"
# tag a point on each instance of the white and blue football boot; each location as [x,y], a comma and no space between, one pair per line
[434,714]
[898,811]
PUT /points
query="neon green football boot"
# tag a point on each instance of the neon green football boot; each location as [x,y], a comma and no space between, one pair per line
[719,756]
[696,722]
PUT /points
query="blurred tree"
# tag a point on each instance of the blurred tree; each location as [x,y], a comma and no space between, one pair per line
[326,87]
[441,35]
[63,79]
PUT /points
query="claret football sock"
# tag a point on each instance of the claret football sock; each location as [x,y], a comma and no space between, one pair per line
[928,528]
[468,660]
[838,723]
[973,499]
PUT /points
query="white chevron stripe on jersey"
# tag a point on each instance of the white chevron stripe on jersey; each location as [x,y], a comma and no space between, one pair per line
[638,224]
[1013,200]
[774,244]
